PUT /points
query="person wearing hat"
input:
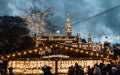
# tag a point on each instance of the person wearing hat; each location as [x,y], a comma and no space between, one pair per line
[114,71]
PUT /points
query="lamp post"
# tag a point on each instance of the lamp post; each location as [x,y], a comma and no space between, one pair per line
[57,32]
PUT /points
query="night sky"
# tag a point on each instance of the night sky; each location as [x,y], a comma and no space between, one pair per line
[105,25]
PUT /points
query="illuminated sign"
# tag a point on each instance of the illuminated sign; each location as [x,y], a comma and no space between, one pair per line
[35,66]
[63,65]
[30,66]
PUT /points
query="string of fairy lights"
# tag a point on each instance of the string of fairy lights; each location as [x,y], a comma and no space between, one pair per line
[59,46]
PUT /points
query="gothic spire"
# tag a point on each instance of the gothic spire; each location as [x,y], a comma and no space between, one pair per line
[89,38]
[68,26]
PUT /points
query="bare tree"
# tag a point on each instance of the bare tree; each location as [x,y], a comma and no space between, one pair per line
[40,20]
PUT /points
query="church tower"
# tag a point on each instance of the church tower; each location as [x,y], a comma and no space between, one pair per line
[68,26]
[89,38]
[79,38]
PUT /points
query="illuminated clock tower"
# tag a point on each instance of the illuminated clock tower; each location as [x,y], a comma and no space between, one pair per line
[68,26]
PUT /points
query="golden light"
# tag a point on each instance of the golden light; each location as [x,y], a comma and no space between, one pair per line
[13,55]
[35,50]
[46,47]
[91,53]
[81,51]
[71,49]
[76,50]
[8,56]
[2,57]
[40,49]
[62,64]
[86,52]
[51,46]
[56,45]
[25,52]
[66,47]
[30,51]
[102,55]
[97,54]
[107,56]
[19,54]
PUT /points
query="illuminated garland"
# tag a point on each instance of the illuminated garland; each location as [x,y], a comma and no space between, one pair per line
[78,50]
[61,46]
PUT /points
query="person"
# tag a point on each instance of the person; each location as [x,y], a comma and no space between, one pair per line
[78,69]
[10,71]
[71,70]
[97,70]
[1,71]
[89,72]
[46,69]
[102,68]
[114,71]
[108,69]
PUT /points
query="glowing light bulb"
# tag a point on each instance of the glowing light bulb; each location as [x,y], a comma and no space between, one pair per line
[19,54]
[81,51]
[40,49]
[30,51]
[71,49]
[86,52]
[25,52]
[97,54]
[76,50]
[66,47]
[13,55]
[91,53]
[8,56]
[35,50]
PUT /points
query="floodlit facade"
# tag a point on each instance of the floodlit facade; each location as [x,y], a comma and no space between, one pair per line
[68,39]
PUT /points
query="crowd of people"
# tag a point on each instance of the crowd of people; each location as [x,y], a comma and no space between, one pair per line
[97,69]
[75,70]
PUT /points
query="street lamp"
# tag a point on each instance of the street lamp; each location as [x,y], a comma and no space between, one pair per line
[58,32]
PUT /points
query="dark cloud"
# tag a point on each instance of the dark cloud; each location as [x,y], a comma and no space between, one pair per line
[106,24]
[4,9]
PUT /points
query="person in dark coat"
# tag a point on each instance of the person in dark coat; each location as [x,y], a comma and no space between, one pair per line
[114,71]
[10,71]
[78,69]
[71,70]
[46,69]
[89,71]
